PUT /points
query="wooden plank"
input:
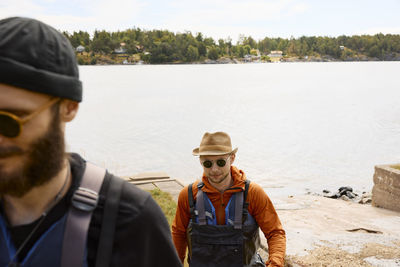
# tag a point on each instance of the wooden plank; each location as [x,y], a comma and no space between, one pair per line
[149,176]
[151,181]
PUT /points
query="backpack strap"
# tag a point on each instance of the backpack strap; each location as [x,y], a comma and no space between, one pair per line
[192,208]
[201,209]
[84,201]
[111,207]
[245,203]
[237,224]
[191,203]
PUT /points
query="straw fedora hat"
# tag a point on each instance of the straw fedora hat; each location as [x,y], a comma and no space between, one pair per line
[218,143]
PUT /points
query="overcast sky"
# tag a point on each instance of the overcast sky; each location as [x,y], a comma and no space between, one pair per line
[216,18]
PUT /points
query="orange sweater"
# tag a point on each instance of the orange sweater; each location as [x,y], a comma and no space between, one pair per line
[260,207]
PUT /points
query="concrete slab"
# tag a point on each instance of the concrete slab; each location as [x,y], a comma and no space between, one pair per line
[386,190]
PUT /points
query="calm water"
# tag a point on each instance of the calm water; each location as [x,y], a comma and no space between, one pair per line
[298,126]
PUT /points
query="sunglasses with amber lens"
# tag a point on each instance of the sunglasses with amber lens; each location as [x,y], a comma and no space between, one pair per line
[11,125]
[220,163]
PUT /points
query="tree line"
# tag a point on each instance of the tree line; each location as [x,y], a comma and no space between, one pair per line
[163,46]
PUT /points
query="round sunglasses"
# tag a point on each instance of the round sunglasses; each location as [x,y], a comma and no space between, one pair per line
[11,125]
[220,163]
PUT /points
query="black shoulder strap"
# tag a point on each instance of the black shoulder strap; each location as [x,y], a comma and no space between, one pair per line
[238,210]
[84,201]
[201,208]
[111,207]
[246,189]
[245,203]
[191,203]
[192,207]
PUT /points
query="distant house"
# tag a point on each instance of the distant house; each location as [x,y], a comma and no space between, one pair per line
[276,53]
[275,56]
[247,58]
[341,47]
[120,50]
[251,57]
[80,49]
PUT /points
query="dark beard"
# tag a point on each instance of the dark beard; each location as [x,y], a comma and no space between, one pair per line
[45,159]
[220,181]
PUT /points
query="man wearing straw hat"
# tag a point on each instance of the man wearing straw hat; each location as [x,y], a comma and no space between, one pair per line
[219,217]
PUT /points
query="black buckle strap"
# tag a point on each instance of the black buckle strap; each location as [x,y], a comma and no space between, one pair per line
[85,199]
[200,185]
[245,203]
[191,203]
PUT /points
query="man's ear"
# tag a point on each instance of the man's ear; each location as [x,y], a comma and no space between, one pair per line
[233,156]
[68,110]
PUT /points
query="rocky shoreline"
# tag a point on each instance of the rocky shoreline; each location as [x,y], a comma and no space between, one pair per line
[322,231]
[226,60]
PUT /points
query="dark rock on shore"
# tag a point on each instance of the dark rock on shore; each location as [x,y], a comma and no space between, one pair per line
[346,193]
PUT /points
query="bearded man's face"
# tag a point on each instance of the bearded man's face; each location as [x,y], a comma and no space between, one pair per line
[35,156]
[43,160]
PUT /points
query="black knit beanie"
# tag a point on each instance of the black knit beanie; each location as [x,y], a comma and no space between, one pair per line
[36,57]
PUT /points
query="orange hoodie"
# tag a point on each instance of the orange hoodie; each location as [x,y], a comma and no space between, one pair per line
[260,207]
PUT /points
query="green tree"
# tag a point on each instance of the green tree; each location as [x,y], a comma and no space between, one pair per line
[374,51]
[202,49]
[241,51]
[213,53]
[199,37]
[254,52]
[192,53]
[102,42]
[161,53]
[247,49]
[250,41]
[209,41]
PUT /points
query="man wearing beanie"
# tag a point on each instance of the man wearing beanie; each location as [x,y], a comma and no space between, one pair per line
[219,217]
[56,209]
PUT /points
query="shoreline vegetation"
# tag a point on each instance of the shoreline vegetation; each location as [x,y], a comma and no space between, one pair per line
[137,46]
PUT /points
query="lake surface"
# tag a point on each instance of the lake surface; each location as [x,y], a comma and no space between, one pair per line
[298,126]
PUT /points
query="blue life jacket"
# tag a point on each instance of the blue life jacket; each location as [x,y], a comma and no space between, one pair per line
[229,212]
[45,252]
[234,244]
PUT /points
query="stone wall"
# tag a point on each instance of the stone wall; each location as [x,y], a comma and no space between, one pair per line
[386,190]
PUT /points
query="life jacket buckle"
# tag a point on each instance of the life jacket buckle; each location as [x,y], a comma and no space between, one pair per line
[85,199]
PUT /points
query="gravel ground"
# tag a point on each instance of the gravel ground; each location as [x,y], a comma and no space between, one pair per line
[371,254]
